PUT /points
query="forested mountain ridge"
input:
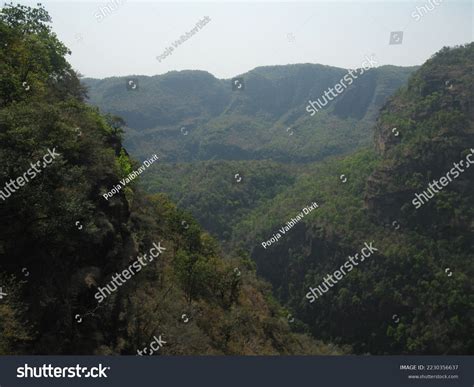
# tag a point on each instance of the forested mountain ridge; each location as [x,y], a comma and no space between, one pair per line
[219,192]
[192,116]
[255,122]
[415,294]
[434,117]
[62,242]
[247,164]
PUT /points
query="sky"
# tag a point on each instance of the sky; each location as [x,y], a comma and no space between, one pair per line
[127,37]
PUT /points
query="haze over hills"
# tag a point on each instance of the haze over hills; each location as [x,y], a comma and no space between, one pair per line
[190,116]
[423,128]
[285,204]
[412,296]
[68,256]
[253,123]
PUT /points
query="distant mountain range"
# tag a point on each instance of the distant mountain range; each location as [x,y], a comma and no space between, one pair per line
[245,162]
[76,241]
[386,166]
[191,115]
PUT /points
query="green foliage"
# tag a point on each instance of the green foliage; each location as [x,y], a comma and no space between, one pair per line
[72,241]
[14,334]
[192,116]
[213,194]
[408,277]
[124,163]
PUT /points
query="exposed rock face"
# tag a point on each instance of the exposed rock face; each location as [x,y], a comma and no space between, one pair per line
[420,133]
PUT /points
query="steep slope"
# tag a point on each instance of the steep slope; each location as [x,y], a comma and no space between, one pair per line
[221,193]
[191,115]
[434,117]
[414,295]
[66,238]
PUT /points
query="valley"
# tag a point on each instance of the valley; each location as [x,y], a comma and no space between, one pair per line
[286,159]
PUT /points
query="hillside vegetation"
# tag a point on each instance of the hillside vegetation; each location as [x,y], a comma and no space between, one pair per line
[414,295]
[191,115]
[61,241]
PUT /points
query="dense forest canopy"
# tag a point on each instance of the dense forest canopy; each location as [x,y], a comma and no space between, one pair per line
[244,167]
[415,294]
[62,243]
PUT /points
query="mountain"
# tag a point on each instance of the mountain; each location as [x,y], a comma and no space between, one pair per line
[194,121]
[191,115]
[352,227]
[90,264]
[413,294]
[221,193]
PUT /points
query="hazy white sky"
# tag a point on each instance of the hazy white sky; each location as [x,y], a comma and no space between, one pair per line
[245,35]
